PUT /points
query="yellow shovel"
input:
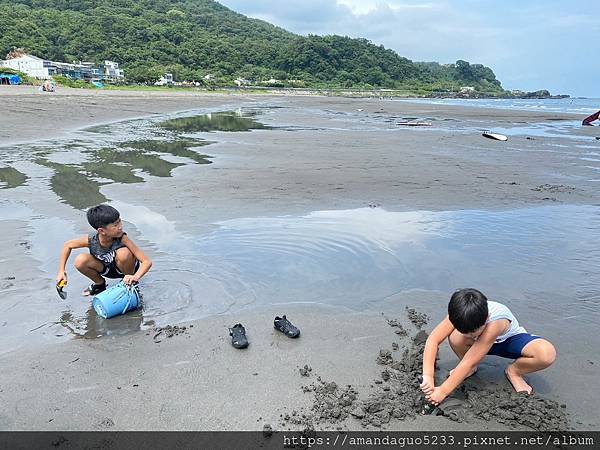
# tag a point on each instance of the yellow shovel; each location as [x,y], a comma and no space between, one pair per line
[60,288]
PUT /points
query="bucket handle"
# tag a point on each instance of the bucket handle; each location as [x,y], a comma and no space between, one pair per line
[129,289]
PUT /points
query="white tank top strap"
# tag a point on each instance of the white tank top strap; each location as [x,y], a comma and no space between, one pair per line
[498,311]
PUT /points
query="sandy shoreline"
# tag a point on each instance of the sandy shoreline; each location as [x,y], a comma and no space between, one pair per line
[196,381]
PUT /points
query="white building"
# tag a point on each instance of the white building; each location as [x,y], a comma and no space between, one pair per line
[242,82]
[165,80]
[45,69]
[32,66]
[112,71]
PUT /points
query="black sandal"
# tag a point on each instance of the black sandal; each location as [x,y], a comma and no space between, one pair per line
[238,336]
[94,289]
[286,327]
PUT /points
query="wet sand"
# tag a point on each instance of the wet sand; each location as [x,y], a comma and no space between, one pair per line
[196,380]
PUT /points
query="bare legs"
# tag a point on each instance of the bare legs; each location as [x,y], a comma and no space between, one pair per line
[125,261]
[91,267]
[537,355]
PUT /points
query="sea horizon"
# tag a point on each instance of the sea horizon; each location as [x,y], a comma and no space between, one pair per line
[574,105]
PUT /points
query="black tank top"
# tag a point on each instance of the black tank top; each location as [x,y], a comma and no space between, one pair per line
[104,254]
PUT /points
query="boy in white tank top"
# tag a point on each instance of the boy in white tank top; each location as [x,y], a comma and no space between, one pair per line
[476,327]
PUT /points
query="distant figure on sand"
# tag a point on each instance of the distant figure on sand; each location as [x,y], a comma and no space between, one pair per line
[476,327]
[48,86]
[112,253]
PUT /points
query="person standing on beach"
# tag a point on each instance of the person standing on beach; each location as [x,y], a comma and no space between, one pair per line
[476,327]
[112,253]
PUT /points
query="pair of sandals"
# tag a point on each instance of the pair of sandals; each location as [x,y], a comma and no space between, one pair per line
[238,332]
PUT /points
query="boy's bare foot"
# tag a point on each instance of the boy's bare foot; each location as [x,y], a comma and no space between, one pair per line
[470,374]
[517,381]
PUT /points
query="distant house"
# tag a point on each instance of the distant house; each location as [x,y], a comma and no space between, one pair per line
[242,82]
[165,80]
[94,71]
[31,65]
[112,71]
[44,69]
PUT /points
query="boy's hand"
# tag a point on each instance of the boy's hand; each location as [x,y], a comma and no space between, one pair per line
[61,276]
[130,279]
[437,396]
[428,385]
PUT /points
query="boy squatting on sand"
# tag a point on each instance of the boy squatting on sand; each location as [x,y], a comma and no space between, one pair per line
[112,253]
[476,327]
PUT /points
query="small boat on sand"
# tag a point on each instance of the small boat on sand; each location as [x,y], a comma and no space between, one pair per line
[494,136]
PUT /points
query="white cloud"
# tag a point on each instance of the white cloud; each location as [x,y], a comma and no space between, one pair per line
[533,45]
[362,7]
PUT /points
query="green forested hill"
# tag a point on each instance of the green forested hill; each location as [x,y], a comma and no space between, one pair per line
[192,38]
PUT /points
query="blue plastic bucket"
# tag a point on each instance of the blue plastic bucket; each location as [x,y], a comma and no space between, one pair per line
[116,300]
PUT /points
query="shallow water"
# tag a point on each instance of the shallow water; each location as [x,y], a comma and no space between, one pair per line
[543,259]
[220,121]
[179,148]
[132,151]
[123,152]
[89,166]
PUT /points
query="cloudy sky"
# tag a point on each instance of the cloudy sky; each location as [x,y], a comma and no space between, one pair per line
[530,45]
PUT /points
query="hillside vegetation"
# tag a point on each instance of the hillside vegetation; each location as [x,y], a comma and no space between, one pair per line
[194,38]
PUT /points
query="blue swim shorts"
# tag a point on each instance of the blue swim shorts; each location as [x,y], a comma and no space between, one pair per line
[513,346]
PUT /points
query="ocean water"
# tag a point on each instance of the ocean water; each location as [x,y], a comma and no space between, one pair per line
[563,105]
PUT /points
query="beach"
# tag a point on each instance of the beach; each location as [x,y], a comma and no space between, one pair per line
[218,235]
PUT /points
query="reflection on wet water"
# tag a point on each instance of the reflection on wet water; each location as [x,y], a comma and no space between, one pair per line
[357,258]
[92,326]
[539,259]
[119,173]
[221,121]
[78,184]
[137,159]
[11,178]
[73,187]
[543,257]
[175,148]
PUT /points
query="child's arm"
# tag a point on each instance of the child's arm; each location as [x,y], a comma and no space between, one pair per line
[437,336]
[66,252]
[470,361]
[145,262]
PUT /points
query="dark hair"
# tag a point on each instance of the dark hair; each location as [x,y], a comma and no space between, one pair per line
[102,215]
[468,310]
